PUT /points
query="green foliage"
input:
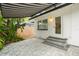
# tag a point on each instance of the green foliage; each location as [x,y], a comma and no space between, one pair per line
[8,28]
[1,43]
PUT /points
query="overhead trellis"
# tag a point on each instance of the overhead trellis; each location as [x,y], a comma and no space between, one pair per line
[24,9]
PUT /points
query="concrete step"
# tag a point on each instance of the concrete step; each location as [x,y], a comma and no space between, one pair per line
[57,42]
[57,39]
[56,45]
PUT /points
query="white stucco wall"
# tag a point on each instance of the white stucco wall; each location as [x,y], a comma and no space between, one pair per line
[70,24]
[75,25]
[51,30]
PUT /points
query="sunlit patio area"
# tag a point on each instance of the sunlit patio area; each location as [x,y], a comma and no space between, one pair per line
[35,47]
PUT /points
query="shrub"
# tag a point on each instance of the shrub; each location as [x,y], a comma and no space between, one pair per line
[1,43]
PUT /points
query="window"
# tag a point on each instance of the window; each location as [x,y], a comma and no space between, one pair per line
[43,25]
[58,25]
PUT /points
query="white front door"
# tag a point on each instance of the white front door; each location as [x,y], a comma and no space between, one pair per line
[58,27]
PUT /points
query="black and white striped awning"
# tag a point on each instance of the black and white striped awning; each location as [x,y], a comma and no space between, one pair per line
[25,9]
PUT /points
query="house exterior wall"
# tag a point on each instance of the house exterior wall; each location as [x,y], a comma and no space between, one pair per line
[75,25]
[70,24]
[63,12]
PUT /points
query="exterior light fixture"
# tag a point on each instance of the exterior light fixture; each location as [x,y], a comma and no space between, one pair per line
[50,19]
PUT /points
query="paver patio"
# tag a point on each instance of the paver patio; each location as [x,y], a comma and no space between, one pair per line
[35,47]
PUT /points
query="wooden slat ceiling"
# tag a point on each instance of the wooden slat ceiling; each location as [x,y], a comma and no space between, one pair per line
[24,9]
